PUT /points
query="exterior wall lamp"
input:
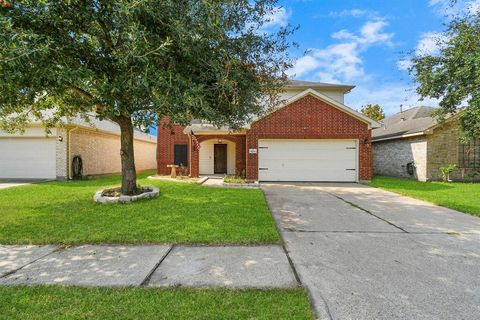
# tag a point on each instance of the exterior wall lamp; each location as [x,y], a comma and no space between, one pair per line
[366,142]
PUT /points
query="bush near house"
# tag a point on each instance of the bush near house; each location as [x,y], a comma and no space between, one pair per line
[234,179]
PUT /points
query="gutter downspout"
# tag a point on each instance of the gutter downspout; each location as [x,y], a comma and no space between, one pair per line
[189,154]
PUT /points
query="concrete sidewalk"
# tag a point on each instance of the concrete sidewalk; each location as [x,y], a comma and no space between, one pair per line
[147,265]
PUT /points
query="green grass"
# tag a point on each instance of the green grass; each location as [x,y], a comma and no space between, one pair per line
[46,302]
[460,196]
[64,213]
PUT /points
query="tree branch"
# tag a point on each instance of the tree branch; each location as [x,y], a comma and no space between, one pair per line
[81,92]
[86,95]
[108,38]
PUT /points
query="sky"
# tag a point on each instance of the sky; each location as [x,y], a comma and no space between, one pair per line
[366,44]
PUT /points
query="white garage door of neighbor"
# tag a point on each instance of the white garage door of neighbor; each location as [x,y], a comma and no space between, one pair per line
[27,158]
[307,160]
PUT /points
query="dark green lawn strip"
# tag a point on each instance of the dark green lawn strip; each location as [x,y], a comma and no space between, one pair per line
[141,303]
[459,196]
[64,213]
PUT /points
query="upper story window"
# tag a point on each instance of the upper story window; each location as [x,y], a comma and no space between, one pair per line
[470,155]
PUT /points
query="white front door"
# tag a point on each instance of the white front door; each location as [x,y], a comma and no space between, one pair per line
[28,158]
[308,160]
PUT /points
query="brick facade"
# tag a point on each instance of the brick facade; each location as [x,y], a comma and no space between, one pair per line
[310,118]
[61,154]
[443,148]
[100,152]
[439,148]
[166,139]
[306,118]
[390,157]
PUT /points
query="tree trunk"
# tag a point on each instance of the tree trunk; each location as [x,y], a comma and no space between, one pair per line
[129,174]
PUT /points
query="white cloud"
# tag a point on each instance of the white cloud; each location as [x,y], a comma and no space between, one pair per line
[277,18]
[372,33]
[342,62]
[390,96]
[449,9]
[303,65]
[404,64]
[354,13]
[429,43]
[473,6]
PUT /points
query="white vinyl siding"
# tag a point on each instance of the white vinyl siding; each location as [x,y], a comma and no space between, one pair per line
[333,94]
[206,156]
[308,160]
[28,158]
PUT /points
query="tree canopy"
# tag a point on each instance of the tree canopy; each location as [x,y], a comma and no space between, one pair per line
[373,111]
[453,74]
[134,62]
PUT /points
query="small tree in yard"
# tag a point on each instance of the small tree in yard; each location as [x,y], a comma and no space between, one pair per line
[373,111]
[452,75]
[446,170]
[134,62]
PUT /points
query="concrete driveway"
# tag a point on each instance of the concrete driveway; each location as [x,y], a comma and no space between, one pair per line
[8,183]
[364,253]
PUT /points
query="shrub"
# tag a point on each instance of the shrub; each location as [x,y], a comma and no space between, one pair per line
[446,170]
[234,179]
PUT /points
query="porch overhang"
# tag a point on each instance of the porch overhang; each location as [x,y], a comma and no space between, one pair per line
[209,129]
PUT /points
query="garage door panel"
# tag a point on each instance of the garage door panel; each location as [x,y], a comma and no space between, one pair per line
[308,160]
[28,158]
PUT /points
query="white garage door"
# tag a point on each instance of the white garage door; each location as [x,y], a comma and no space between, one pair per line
[27,158]
[307,160]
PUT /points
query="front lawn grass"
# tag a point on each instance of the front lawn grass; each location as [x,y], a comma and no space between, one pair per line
[64,213]
[460,196]
[48,302]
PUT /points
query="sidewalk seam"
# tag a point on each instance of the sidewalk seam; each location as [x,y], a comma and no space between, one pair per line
[61,248]
[150,274]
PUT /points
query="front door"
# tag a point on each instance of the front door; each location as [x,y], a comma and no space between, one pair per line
[220,158]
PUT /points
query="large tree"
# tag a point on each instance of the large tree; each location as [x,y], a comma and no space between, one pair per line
[373,111]
[452,74]
[135,62]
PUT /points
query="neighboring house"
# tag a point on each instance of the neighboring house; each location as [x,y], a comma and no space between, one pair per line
[311,136]
[36,155]
[412,144]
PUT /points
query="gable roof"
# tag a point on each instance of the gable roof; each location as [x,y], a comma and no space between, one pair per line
[107,126]
[412,122]
[299,84]
[334,103]
[309,86]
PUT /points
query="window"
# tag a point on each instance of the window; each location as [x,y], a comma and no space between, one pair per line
[470,155]
[180,155]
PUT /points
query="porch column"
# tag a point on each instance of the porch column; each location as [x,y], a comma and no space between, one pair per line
[240,156]
[194,161]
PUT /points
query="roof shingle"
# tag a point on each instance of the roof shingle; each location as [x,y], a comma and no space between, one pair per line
[414,120]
